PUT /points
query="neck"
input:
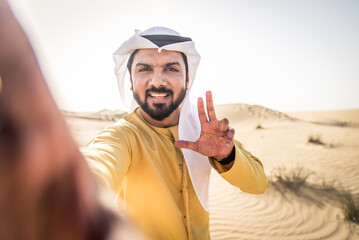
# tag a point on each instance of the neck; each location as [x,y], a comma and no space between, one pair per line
[169,121]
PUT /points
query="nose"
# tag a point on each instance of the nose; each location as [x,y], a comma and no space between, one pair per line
[158,79]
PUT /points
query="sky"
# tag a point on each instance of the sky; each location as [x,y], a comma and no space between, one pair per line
[287,55]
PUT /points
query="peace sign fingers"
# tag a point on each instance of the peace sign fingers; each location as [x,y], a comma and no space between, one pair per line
[210,109]
[201,112]
[216,138]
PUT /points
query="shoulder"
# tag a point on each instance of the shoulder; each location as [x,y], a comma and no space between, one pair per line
[129,130]
[124,129]
[130,126]
[122,132]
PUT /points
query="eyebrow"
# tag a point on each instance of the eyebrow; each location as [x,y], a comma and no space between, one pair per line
[147,65]
[142,64]
[172,63]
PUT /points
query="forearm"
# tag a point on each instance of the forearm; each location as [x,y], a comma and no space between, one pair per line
[246,172]
[108,158]
[101,166]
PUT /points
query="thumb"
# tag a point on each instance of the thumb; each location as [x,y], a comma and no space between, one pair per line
[186,144]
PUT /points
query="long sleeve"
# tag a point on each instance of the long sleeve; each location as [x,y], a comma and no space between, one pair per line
[109,157]
[247,172]
[142,166]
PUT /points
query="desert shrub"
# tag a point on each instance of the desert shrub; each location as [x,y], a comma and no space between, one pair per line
[350,206]
[315,139]
[283,179]
[291,179]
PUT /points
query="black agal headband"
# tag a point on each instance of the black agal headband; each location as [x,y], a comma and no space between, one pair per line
[163,40]
[160,41]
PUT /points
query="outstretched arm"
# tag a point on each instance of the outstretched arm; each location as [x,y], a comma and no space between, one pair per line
[46,189]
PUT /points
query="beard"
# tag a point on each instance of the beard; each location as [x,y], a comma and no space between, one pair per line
[160,110]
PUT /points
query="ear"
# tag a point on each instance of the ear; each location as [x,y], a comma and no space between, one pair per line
[131,88]
[187,81]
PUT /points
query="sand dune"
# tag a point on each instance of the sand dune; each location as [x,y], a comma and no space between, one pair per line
[85,125]
[312,211]
[240,111]
[283,142]
[100,115]
[349,117]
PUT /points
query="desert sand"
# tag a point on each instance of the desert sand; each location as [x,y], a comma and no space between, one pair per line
[279,140]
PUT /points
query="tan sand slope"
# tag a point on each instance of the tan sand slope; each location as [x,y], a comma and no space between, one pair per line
[348,117]
[313,211]
[85,125]
[244,115]
[105,114]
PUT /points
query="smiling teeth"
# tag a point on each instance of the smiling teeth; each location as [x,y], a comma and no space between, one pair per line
[158,94]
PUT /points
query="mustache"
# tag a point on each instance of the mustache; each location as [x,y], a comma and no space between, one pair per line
[159,90]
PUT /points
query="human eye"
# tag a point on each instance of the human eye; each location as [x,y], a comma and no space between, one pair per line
[144,69]
[172,69]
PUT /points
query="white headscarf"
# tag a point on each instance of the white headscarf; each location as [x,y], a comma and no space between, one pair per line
[189,127]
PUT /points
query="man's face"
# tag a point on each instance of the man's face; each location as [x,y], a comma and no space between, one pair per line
[158,81]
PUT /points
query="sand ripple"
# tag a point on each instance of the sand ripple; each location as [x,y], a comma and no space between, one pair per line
[238,215]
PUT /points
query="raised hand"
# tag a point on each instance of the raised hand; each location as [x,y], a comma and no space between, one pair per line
[216,139]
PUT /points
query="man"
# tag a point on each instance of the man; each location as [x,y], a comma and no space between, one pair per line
[158,158]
